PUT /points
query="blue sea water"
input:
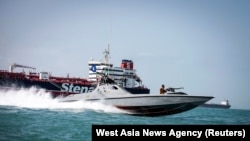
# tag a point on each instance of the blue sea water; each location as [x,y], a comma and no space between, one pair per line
[29,115]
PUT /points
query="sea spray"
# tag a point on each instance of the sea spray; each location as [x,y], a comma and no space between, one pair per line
[40,99]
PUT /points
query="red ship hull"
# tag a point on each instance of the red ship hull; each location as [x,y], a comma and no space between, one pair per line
[56,86]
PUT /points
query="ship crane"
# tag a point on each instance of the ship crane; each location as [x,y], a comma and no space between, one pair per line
[13,66]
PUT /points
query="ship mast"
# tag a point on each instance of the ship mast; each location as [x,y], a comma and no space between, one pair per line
[107,51]
[106,55]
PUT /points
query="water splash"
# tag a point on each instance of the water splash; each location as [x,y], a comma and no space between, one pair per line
[40,99]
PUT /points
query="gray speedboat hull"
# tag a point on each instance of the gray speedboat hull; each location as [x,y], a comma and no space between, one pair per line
[141,104]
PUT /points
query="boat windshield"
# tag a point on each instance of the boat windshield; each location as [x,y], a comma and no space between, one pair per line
[106,80]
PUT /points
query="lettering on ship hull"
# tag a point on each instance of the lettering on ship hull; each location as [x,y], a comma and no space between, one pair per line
[76,89]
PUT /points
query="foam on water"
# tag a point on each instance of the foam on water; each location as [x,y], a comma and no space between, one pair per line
[40,99]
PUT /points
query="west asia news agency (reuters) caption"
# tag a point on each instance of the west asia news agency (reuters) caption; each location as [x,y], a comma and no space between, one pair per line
[173,132]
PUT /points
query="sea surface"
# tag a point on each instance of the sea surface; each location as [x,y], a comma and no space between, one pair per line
[34,116]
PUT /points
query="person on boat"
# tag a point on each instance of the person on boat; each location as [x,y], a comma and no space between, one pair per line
[162,89]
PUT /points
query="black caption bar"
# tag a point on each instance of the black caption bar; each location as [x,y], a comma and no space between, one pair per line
[170,132]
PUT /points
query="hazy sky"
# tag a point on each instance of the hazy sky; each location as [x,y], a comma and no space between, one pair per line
[201,45]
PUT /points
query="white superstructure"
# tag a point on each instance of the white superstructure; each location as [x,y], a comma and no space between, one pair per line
[125,75]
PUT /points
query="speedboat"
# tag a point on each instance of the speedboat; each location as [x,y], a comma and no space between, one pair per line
[112,94]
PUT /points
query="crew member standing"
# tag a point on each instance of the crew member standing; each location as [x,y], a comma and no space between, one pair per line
[163,90]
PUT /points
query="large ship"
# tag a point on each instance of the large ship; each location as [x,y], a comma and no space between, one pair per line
[125,76]
[224,105]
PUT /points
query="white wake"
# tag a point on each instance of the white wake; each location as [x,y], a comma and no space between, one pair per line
[31,98]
